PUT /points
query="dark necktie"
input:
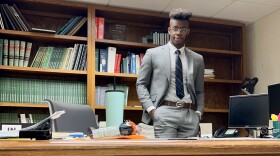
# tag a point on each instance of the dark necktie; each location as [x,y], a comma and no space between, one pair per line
[179,76]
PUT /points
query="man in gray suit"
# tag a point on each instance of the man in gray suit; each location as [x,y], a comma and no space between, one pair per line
[170,83]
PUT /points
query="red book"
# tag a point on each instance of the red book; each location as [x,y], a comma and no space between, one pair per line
[116,64]
[100,31]
[119,63]
[141,58]
[96,26]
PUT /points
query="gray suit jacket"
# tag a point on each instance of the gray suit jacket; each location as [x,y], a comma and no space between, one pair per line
[154,79]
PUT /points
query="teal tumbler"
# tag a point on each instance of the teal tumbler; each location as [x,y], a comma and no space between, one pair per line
[114,101]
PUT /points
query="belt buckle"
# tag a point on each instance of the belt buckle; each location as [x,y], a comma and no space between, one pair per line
[179,104]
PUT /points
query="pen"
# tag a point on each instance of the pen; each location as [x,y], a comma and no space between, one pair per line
[76,135]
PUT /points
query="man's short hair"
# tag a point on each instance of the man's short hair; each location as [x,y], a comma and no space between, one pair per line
[180,14]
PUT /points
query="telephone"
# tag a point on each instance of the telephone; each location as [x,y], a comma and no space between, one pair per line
[223,132]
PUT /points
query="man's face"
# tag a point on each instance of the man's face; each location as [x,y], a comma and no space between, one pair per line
[178,31]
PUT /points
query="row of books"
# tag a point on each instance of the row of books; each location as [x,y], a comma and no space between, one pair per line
[72,26]
[61,58]
[99,27]
[107,60]
[21,118]
[12,19]
[20,90]
[160,37]
[100,93]
[14,52]
[209,73]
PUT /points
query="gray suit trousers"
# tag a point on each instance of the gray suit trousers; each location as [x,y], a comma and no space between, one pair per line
[175,122]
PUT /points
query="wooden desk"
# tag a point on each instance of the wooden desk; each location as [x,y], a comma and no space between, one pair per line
[141,147]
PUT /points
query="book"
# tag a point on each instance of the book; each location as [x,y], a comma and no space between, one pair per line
[25,23]
[5,52]
[21,53]
[100,30]
[70,25]
[83,61]
[11,52]
[43,30]
[73,25]
[9,17]
[77,27]
[66,57]
[16,57]
[96,27]
[103,60]
[137,64]
[4,18]
[46,58]
[38,57]
[1,22]
[15,18]
[1,50]
[111,59]
[96,59]
[27,54]
[78,56]
[116,63]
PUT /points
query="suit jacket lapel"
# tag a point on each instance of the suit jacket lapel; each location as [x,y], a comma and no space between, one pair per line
[189,76]
[190,65]
[166,59]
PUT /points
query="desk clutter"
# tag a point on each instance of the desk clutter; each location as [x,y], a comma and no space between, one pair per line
[276,125]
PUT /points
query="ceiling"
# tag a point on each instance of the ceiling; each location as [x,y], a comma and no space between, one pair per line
[245,11]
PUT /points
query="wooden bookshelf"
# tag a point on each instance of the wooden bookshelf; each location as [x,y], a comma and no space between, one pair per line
[39,105]
[220,42]
[43,36]
[41,70]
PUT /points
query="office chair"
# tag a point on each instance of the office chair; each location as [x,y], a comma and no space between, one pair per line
[77,118]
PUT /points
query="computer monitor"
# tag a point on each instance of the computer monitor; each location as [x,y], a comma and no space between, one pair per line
[248,111]
[274,98]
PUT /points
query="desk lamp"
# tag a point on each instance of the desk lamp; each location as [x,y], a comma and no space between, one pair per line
[248,85]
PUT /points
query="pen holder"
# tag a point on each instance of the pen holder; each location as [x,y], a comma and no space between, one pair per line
[276,129]
[114,101]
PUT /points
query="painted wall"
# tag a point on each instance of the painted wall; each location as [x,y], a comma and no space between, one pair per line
[263,51]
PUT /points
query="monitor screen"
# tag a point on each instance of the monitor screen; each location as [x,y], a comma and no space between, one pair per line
[248,111]
[274,98]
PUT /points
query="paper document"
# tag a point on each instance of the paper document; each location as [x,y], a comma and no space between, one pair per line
[15,134]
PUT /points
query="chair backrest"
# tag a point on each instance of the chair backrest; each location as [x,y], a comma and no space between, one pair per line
[77,118]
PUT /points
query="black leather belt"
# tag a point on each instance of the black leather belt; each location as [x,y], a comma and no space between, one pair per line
[177,104]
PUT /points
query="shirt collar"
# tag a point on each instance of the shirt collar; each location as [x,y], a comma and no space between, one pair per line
[173,48]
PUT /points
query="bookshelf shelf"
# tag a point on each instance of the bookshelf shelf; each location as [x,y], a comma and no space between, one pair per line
[222,81]
[41,70]
[216,51]
[43,36]
[116,75]
[146,46]
[134,76]
[140,109]
[125,108]
[8,104]
[215,110]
